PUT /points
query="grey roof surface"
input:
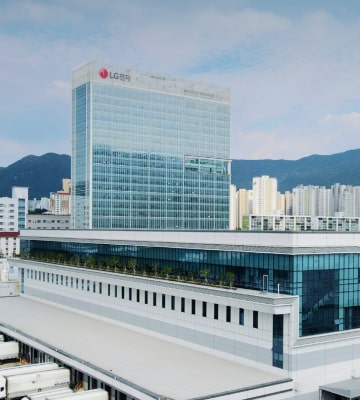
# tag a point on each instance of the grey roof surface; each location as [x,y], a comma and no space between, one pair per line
[349,388]
[165,368]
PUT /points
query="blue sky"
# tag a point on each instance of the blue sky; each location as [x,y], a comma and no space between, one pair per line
[293,67]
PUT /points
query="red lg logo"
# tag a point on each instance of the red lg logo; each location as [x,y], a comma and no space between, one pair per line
[103,73]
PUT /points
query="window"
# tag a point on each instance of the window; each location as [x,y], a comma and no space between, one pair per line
[154,299]
[163,301]
[109,289]
[123,292]
[278,341]
[138,295]
[183,304]
[100,287]
[228,314]
[255,319]
[204,304]
[193,306]
[146,297]
[115,288]
[130,294]
[173,302]
[241,316]
[216,311]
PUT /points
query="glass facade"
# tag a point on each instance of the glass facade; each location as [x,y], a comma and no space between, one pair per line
[278,341]
[327,284]
[21,214]
[149,152]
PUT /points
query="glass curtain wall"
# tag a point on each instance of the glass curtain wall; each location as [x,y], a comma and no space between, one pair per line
[149,159]
[327,284]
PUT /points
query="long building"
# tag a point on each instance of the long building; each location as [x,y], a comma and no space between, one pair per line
[149,151]
[296,223]
[283,306]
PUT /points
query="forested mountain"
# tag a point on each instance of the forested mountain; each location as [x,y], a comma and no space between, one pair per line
[44,174]
[41,174]
[313,170]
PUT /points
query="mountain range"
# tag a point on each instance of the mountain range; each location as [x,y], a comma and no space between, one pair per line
[44,174]
[41,174]
[317,170]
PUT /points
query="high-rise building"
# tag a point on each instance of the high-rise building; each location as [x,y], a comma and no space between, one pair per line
[233,208]
[21,195]
[12,219]
[244,207]
[13,210]
[264,195]
[312,200]
[149,151]
[60,202]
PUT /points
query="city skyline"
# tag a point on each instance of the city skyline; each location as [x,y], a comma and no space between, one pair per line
[292,68]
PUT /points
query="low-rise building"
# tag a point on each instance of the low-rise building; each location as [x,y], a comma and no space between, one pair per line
[48,221]
[284,305]
[300,223]
[9,243]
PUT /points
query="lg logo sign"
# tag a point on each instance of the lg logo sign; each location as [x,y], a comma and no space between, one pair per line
[104,74]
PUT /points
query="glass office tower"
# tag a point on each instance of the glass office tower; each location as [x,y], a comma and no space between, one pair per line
[148,151]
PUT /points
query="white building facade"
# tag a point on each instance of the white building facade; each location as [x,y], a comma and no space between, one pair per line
[12,218]
[60,202]
[39,204]
[265,195]
[48,221]
[291,336]
[301,223]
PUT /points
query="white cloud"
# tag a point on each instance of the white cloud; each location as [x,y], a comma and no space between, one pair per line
[13,150]
[276,144]
[349,119]
[283,144]
[283,71]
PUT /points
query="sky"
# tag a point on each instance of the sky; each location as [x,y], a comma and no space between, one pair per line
[293,67]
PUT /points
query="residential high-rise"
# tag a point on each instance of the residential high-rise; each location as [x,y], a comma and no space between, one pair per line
[60,202]
[312,200]
[264,195]
[233,208]
[244,207]
[149,151]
